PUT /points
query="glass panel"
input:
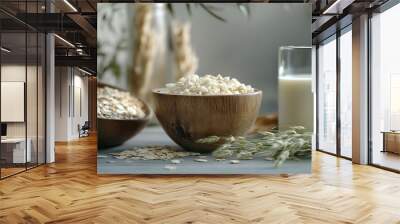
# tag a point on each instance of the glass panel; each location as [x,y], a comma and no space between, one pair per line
[41,99]
[31,97]
[32,90]
[13,86]
[385,114]
[23,91]
[327,96]
[346,94]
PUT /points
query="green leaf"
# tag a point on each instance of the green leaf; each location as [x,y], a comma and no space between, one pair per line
[170,39]
[115,68]
[189,9]
[205,7]
[170,9]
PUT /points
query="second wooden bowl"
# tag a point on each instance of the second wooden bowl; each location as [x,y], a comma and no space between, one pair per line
[114,132]
[187,118]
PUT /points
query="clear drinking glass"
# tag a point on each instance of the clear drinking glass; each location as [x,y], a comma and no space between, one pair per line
[296,100]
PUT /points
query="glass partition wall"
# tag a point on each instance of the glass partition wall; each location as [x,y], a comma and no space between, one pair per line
[346,95]
[385,89]
[326,136]
[334,101]
[22,77]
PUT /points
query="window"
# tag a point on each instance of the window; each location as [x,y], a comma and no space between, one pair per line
[346,93]
[327,96]
[385,89]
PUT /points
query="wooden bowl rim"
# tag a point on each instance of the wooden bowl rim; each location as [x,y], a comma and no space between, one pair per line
[158,91]
[147,118]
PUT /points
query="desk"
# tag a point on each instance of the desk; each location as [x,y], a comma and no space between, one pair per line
[391,141]
[13,150]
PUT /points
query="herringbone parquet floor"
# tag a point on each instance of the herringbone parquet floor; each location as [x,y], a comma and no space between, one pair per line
[70,191]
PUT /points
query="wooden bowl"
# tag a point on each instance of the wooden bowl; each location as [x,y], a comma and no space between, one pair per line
[187,118]
[113,132]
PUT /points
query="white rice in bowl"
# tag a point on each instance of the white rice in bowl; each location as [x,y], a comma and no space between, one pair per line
[208,85]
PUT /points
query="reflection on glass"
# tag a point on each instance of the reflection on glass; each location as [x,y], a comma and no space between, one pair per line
[41,99]
[327,97]
[31,97]
[15,151]
[22,94]
[385,114]
[346,94]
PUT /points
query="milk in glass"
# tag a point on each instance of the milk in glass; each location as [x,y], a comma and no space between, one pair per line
[296,99]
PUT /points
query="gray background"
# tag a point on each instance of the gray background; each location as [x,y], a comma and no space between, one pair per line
[245,48]
[248,48]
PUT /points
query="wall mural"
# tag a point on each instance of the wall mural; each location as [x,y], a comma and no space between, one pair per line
[202,88]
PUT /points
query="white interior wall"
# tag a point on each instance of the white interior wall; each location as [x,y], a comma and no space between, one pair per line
[14,73]
[62,81]
[80,94]
[33,125]
[70,83]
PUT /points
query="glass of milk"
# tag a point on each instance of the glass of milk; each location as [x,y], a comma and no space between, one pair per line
[296,100]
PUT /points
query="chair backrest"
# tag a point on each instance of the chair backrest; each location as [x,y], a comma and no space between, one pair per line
[86,125]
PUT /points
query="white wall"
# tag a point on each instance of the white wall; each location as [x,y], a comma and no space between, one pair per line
[70,83]
[17,73]
[61,103]
[79,117]
[14,73]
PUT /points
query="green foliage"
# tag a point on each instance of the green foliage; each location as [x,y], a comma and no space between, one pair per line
[290,144]
[212,10]
[108,60]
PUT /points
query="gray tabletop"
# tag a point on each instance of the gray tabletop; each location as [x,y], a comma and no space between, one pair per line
[106,164]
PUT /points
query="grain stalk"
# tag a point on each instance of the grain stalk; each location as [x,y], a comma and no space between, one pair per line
[292,144]
[185,57]
[145,45]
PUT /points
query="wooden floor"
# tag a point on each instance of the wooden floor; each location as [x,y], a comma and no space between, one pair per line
[5,172]
[70,191]
[387,159]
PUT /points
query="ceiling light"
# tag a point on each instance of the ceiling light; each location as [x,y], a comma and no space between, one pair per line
[84,71]
[5,50]
[70,5]
[65,41]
